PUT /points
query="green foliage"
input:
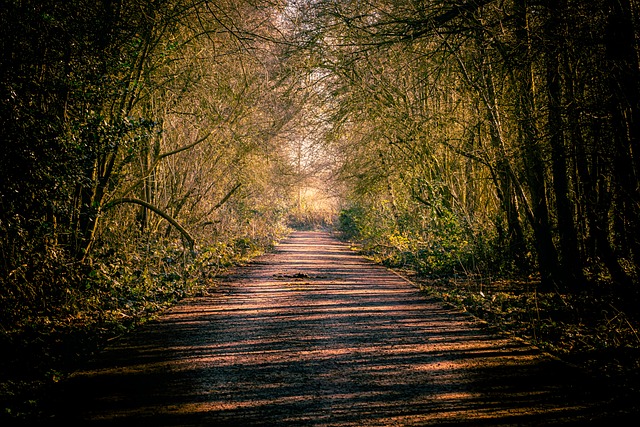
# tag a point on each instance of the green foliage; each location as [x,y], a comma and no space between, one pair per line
[349,222]
[444,246]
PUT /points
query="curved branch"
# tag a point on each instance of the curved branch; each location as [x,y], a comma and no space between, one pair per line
[156,210]
[184,148]
[156,161]
[229,194]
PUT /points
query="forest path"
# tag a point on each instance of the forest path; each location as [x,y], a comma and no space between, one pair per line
[313,334]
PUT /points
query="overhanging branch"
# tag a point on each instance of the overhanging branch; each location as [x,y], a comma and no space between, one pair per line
[156,210]
[401,28]
[229,194]
[184,148]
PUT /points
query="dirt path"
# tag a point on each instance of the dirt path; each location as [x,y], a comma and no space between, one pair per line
[315,335]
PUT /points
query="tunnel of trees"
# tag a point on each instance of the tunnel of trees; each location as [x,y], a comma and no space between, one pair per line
[148,143]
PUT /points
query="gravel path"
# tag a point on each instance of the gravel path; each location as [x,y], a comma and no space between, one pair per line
[315,335]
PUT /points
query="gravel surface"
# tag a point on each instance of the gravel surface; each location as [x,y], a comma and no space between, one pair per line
[313,334]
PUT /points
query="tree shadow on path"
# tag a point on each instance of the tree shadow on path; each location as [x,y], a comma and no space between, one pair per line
[315,335]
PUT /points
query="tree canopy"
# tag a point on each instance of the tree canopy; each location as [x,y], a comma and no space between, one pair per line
[494,137]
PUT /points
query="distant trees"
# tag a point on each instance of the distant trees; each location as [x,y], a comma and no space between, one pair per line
[515,120]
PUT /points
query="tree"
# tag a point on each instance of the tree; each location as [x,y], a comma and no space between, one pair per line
[543,83]
[132,115]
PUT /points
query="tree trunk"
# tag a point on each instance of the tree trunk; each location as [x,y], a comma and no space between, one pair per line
[505,185]
[571,266]
[624,82]
[532,157]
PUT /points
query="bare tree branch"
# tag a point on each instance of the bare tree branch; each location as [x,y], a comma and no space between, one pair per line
[185,147]
[156,210]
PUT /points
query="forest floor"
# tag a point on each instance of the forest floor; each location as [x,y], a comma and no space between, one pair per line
[313,334]
[595,329]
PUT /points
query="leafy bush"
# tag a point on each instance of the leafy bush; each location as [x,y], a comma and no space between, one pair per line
[444,247]
[349,221]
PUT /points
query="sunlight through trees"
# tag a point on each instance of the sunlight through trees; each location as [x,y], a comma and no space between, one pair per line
[148,142]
